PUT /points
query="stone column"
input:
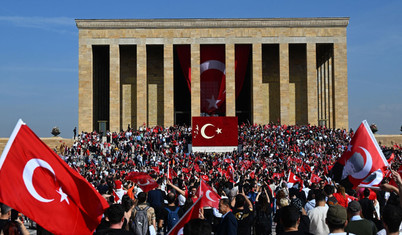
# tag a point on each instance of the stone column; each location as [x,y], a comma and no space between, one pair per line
[330,94]
[195,80]
[284,83]
[126,107]
[257,100]
[312,102]
[114,95]
[340,88]
[142,84]
[168,85]
[230,81]
[85,88]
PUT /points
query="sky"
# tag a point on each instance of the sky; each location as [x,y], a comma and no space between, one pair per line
[39,53]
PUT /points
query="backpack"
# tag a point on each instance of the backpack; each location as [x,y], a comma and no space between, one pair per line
[140,223]
[173,218]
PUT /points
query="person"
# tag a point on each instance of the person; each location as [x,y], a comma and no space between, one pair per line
[197,227]
[156,197]
[337,220]
[290,220]
[170,214]
[367,205]
[318,214]
[75,132]
[115,216]
[228,225]
[263,223]
[304,224]
[391,219]
[5,215]
[329,192]
[357,224]
[243,213]
[15,227]
[150,212]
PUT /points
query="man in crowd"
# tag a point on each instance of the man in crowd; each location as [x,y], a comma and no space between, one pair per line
[115,216]
[228,225]
[337,220]
[357,224]
[318,214]
[170,214]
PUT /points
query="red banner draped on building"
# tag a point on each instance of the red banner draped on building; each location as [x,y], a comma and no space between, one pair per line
[213,74]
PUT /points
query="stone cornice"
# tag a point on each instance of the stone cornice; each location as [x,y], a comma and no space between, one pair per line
[210,23]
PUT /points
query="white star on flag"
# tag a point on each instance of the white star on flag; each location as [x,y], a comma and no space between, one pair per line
[213,102]
[349,148]
[218,131]
[63,196]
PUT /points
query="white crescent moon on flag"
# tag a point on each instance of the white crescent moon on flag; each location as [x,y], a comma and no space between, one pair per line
[140,184]
[367,167]
[203,131]
[294,178]
[209,198]
[27,177]
[212,64]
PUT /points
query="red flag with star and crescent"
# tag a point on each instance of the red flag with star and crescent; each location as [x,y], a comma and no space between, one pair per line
[293,178]
[143,180]
[211,198]
[38,183]
[214,131]
[362,158]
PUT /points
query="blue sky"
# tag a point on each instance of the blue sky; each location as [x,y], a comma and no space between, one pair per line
[39,53]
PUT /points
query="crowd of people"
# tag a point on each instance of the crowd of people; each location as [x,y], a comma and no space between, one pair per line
[256,197]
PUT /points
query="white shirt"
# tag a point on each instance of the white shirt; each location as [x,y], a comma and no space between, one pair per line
[317,220]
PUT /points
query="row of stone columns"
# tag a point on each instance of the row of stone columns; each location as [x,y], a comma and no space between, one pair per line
[338,108]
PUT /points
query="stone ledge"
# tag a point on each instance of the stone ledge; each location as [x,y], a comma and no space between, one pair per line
[210,23]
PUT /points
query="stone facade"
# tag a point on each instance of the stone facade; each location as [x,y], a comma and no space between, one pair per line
[298,69]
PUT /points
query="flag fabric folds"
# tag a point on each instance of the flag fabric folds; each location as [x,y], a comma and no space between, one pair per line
[143,180]
[192,213]
[210,197]
[362,158]
[38,183]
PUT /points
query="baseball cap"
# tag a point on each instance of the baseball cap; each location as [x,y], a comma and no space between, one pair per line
[336,214]
[354,206]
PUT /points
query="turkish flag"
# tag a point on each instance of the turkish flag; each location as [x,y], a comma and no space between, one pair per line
[315,178]
[213,76]
[211,198]
[214,131]
[362,157]
[293,178]
[192,213]
[143,180]
[38,183]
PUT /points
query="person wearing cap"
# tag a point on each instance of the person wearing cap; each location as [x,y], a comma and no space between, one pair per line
[337,220]
[357,224]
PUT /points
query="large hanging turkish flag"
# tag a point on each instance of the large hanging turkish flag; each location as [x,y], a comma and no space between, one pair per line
[213,74]
[214,131]
[362,157]
[38,183]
